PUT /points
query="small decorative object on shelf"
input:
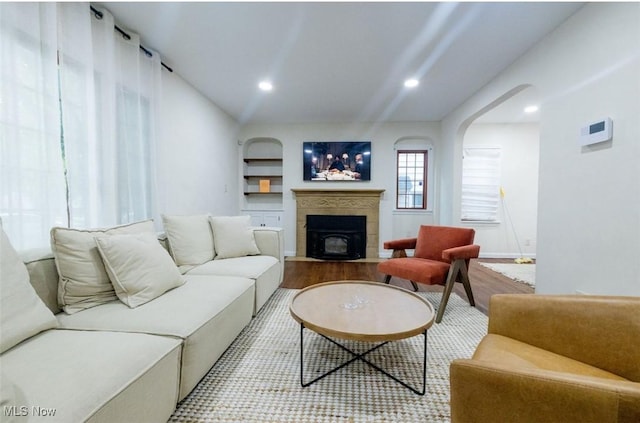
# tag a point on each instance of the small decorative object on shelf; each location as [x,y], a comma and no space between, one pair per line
[265,185]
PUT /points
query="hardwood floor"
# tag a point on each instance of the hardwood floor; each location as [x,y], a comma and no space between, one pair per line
[484,282]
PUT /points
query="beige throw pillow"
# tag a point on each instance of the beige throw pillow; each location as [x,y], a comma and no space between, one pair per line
[190,239]
[84,282]
[233,236]
[139,268]
[22,312]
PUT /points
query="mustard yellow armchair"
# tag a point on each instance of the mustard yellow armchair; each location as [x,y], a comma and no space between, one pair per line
[552,358]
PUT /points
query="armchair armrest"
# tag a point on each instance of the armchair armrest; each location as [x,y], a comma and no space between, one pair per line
[608,327]
[401,244]
[486,392]
[465,252]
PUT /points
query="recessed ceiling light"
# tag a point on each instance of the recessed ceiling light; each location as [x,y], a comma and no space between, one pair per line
[410,83]
[531,109]
[265,86]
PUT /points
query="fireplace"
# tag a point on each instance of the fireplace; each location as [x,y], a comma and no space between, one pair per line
[338,202]
[342,237]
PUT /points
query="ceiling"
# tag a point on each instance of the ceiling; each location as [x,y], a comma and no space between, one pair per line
[339,62]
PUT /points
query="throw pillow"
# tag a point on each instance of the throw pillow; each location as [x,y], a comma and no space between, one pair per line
[22,312]
[84,282]
[233,236]
[190,239]
[139,268]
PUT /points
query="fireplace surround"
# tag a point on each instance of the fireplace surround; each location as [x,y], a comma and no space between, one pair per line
[332,202]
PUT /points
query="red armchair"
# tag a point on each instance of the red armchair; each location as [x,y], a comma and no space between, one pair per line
[441,257]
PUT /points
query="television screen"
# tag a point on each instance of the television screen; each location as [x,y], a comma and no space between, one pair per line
[336,160]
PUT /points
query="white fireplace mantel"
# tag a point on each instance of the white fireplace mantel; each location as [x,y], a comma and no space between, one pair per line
[361,202]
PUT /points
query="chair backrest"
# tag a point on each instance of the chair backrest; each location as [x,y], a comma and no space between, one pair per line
[432,240]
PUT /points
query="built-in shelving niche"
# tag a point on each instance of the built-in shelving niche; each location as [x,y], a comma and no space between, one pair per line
[262,161]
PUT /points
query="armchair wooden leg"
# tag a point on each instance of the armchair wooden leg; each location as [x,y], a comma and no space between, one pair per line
[387,278]
[464,275]
[399,254]
[457,267]
[415,286]
[448,287]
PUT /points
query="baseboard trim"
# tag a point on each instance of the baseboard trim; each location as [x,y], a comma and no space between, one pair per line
[505,255]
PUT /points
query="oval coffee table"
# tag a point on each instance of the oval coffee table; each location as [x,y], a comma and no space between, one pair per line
[362,311]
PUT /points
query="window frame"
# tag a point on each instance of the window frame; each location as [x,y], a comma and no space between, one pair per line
[425,172]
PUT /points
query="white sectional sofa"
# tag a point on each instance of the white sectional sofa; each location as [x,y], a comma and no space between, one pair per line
[128,358]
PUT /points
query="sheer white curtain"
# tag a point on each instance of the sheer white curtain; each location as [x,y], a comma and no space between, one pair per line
[76,138]
[32,189]
[110,93]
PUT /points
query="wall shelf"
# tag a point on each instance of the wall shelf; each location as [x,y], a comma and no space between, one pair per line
[262,175]
[264,193]
[261,159]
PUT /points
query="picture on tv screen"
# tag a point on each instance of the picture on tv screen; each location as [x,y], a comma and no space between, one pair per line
[336,160]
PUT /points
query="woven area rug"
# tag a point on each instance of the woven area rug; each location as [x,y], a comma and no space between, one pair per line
[524,273]
[258,377]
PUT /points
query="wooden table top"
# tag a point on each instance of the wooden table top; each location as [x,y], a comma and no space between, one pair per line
[362,311]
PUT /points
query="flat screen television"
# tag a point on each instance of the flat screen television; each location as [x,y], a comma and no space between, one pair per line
[336,160]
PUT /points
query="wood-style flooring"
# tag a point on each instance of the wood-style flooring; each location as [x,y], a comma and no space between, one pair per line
[484,282]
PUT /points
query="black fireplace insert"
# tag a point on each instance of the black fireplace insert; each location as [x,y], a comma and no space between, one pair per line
[338,237]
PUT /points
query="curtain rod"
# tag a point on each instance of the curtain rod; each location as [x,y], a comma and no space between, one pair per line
[98,14]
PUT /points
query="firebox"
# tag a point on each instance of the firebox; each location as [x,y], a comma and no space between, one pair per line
[341,237]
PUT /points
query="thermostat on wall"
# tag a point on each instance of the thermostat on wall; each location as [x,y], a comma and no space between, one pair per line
[596,132]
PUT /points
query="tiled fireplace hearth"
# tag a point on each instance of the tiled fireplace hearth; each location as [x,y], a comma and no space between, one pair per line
[338,202]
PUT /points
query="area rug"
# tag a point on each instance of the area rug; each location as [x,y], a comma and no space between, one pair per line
[258,377]
[525,273]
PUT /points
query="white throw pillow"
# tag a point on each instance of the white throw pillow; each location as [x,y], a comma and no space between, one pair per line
[22,312]
[233,236]
[139,268]
[190,239]
[84,282]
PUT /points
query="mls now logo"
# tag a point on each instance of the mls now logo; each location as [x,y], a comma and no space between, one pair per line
[23,411]
[15,411]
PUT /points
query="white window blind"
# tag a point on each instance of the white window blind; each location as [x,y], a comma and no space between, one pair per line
[481,171]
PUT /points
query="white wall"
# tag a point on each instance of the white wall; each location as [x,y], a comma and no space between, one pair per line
[519,144]
[197,153]
[589,198]
[382,137]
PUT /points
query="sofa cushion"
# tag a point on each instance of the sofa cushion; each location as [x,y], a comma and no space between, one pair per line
[430,272]
[207,313]
[96,376]
[506,351]
[247,267]
[190,238]
[265,270]
[233,236]
[139,268]
[12,396]
[22,312]
[84,282]
[43,275]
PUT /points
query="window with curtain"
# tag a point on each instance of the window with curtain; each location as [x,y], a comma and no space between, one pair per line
[32,188]
[411,182]
[481,172]
[77,121]
[120,91]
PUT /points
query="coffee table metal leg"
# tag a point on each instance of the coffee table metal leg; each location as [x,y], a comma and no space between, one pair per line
[361,357]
